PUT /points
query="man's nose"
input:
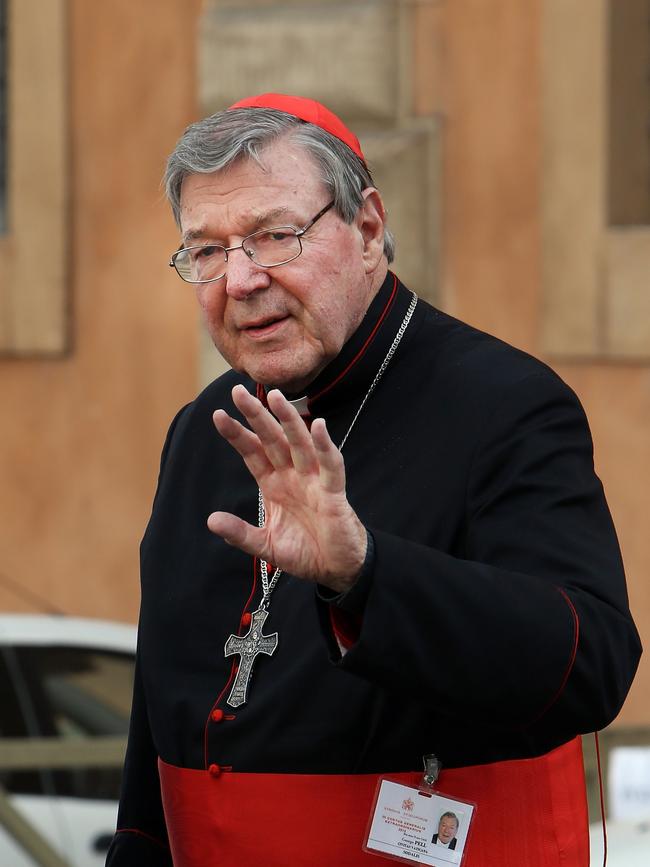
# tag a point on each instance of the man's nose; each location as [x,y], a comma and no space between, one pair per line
[243,276]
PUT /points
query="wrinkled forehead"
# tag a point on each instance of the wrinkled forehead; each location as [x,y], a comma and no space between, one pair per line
[283,188]
[281,164]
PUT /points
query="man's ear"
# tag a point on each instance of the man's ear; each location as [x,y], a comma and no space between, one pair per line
[370,220]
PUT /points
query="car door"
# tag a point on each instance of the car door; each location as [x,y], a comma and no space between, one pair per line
[26,789]
[80,699]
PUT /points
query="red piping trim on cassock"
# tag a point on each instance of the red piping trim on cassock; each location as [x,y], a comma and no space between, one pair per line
[344,634]
[572,659]
[366,344]
[233,672]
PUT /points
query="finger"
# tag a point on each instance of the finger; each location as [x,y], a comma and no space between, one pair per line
[297,433]
[245,442]
[330,459]
[268,430]
[238,533]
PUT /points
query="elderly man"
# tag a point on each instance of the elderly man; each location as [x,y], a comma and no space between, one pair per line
[394,546]
[447,829]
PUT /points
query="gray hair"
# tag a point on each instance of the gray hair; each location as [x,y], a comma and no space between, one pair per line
[217,142]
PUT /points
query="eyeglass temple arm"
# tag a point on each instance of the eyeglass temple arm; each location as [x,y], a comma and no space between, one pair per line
[323,211]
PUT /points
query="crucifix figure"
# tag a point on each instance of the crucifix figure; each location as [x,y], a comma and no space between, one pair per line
[248,646]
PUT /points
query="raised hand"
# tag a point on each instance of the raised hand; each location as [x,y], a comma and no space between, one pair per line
[310,529]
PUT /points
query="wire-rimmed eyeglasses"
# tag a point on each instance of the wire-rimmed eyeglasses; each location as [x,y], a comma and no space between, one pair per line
[204,263]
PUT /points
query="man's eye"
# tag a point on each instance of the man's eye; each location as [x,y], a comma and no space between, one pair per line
[206,252]
[276,236]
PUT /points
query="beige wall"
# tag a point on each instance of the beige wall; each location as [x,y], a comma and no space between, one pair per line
[80,436]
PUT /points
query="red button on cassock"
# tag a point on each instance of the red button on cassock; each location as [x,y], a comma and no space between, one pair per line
[246,619]
[214,770]
[217,715]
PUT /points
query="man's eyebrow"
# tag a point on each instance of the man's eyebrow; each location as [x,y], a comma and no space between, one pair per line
[268,219]
[193,234]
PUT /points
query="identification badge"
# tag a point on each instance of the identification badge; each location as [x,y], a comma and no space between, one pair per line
[409,824]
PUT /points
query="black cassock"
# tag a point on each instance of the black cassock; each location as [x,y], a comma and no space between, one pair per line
[494,623]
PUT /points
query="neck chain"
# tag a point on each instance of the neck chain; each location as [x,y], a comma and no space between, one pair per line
[254,642]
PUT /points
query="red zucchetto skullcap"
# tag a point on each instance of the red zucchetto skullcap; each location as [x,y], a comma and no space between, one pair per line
[306,109]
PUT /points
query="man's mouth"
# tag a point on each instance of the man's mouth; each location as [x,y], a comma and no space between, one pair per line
[264,326]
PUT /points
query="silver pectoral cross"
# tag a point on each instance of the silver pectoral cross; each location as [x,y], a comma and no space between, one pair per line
[248,646]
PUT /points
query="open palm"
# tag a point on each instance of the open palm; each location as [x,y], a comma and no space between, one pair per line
[310,529]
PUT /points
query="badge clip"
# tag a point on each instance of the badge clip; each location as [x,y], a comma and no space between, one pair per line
[432,767]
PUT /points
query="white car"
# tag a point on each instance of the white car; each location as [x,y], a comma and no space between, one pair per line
[65,687]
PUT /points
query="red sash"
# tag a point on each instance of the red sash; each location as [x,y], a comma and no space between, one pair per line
[530,813]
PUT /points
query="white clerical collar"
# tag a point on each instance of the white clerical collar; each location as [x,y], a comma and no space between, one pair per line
[301,404]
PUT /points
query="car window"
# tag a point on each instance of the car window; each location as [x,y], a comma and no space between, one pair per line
[77,693]
[13,725]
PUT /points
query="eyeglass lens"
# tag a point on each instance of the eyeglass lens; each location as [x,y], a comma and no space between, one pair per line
[266,248]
